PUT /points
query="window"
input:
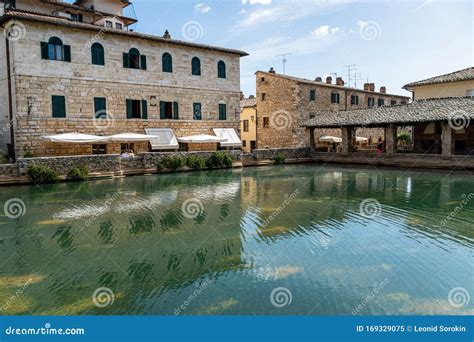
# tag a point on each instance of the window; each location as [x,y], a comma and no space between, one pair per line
[169,110]
[246,125]
[403,103]
[58,106]
[380,102]
[77,17]
[335,97]
[167,62]
[221,73]
[54,50]
[244,143]
[393,102]
[264,96]
[197,111]
[370,102]
[312,95]
[196,66]
[126,147]
[262,79]
[97,52]
[266,122]
[118,26]
[137,109]
[99,149]
[222,111]
[133,60]
[354,100]
[100,107]
[470,92]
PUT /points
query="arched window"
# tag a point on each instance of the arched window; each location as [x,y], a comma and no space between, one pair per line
[134,58]
[54,50]
[97,52]
[196,66]
[167,62]
[221,69]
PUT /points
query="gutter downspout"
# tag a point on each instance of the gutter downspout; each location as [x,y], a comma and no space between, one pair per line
[10,99]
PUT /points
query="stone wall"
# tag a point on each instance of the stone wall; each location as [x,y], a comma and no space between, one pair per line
[265,154]
[152,159]
[8,170]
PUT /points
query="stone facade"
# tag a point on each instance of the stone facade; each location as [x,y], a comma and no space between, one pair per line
[284,102]
[36,80]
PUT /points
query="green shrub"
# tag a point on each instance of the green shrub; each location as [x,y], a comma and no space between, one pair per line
[78,173]
[404,138]
[173,163]
[279,159]
[160,166]
[196,162]
[27,152]
[4,158]
[219,159]
[42,174]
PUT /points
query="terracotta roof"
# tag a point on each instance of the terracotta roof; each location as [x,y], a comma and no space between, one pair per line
[335,86]
[246,103]
[460,75]
[418,111]
[38,17]
[124,2]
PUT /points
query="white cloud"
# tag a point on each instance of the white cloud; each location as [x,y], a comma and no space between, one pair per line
[202,7]
[326,30]
[254,2]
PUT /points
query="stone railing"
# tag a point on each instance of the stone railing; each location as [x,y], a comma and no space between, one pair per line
[8,170]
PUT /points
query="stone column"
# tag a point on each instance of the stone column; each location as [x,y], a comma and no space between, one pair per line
[447,140]
[347,133]
[390,140]
[312,141]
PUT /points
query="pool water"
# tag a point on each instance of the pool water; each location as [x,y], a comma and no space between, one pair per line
[289,240]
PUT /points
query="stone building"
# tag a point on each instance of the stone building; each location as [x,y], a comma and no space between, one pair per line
[79,68]
[248,123]
[284,102]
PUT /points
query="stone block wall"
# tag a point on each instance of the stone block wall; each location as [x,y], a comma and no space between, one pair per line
[265,154]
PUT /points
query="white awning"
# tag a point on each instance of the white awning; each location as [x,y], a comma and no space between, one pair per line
[361,139]
[201,139]
[75,138]
[330,139]
[233,139]
[163,139]
[129,137]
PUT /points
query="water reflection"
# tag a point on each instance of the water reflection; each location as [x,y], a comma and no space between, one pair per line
[131,236]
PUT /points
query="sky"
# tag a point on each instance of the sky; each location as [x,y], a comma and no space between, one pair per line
[390,42]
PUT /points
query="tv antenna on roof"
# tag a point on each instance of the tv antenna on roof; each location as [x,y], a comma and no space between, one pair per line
[284,60]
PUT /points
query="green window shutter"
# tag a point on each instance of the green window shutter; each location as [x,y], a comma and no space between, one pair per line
[222,112]
[59,106]
[44,50]
[129,109]
[197,111]
[175,111]
[162,110]
[67,53]
[144,110]
[125,60]
[100,107]
[167,62]
[143,62]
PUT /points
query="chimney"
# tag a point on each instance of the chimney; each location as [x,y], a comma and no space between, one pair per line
[329,80]
[242,96]
[383,90]
[340,81]
[318,79]
[167,35]
[369,86]
[272,71]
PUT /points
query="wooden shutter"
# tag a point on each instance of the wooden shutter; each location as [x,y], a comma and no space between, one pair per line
[144,110]
[44,50]
[222,112]
[143,62]
[129,109]
[175,111]
[59,106]
[126,63]
[67,53]
[162,110]
[100,106]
